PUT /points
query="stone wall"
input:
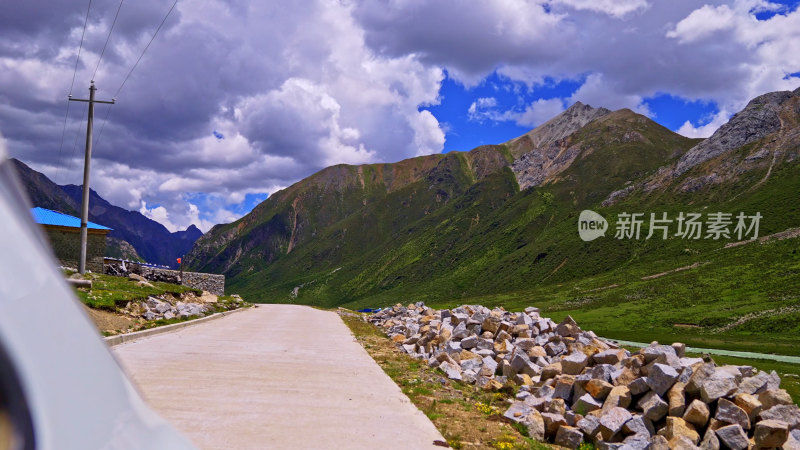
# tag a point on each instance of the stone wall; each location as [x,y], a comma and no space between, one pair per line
[66,244]
[210,282]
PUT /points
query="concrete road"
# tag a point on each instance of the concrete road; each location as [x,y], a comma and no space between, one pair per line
[277,376]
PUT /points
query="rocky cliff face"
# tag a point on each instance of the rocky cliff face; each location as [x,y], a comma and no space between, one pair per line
[763,136]
[556,129]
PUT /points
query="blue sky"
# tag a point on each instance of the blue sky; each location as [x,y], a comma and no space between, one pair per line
[234,101]
[463,132]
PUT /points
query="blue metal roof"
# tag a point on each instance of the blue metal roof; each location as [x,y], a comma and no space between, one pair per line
[47,217]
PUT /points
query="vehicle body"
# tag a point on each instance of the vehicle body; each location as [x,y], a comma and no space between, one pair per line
[60,386]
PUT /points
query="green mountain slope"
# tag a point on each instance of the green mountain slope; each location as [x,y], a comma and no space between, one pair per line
[456,228]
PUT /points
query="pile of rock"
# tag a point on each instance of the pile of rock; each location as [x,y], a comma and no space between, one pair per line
[575,387]
[154,308]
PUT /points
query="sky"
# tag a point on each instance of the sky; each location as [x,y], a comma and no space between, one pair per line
[236,99]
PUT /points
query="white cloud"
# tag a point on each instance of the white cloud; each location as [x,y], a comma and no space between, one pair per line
[295,86]
[704,131]
[540,112]
[703,22]
[596,91]
[614,8]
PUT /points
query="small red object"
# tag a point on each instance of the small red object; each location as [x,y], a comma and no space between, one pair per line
[179,260]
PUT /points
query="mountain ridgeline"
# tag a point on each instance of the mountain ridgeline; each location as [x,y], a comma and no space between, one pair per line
[500,221]
[133,237]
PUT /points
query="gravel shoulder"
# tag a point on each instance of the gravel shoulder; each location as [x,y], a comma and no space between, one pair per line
[278,376]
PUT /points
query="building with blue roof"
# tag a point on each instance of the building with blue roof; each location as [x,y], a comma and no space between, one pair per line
[64,233]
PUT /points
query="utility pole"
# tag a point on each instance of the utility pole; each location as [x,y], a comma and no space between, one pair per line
[86,163]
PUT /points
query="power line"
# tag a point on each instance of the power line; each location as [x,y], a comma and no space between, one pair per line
[146,47]
[110,30]
[116,94]
[71,86]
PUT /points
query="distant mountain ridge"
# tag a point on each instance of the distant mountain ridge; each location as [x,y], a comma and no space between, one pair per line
[499,218]
[131,229]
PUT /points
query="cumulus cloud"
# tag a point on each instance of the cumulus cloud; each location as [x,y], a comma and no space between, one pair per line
[703,22]
[290,93]
[703,131]
[296,86]
[614,8]
[540,112]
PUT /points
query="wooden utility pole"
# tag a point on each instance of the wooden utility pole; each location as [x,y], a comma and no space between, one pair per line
[86,163]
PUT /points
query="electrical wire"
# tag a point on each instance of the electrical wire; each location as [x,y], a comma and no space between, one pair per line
[116,94]
[108,38]
[71,86]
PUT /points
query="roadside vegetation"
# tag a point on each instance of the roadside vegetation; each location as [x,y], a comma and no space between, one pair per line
[468,417]
[111,301]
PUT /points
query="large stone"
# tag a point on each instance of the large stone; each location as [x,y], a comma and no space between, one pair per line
[659,442]
[676,397]
[728,412]
[452,370]
[660,378]
[772,397]
[551,371]
[623,377]
[599,389]
[569,437]
[700,374]
[586,404]
[733,437]
[785,413]
[558,406]
[697,414]
[612,356]
[639,386]
[460,332]
[755,384]
[750,404]
[653,407]
[574,363]
[793,442]
[676,426]
[716,387]
[518,411]
[563,387]
[710,441]
[535,425]
[612,421]
[555,348]
[654,351]
[639,426]
[590,425]
[552,422]
[771,433]
[491,324]
[619,396]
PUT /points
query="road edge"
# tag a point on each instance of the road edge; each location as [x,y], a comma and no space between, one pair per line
[111,341]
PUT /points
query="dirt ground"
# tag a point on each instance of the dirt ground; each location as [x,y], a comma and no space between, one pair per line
[110,322]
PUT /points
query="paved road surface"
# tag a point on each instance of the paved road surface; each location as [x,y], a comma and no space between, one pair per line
[277,376]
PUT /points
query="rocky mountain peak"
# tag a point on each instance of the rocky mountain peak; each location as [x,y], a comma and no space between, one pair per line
[559,127]
[758,119]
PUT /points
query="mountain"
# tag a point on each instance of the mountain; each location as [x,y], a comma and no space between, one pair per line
[134,236]
[389,224]
[497,226]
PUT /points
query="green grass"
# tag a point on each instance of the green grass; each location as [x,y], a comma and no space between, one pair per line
[458,234]
[109,292]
